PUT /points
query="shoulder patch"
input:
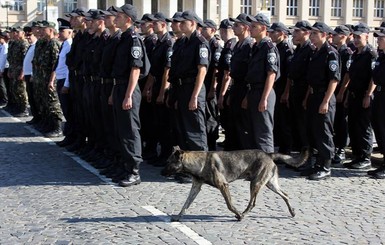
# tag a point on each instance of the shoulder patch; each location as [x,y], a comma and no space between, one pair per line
[136,52]
[272,58]
[333,65]
[203,52]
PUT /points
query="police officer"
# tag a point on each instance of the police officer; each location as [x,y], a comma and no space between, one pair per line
[156,89]
[130,54]
[223,76]
[340,35]
[378,105]
[263,70]
[212,113]
[238,133]
[190,70]
[282,123]
[359,98]
[323,75]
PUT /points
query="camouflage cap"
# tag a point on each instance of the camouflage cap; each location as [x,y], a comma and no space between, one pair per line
[50,24]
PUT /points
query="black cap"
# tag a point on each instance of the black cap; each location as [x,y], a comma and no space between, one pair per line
[27,29]
[63,24]
[303,25]
[159,16]
[361,28]
[77,12]
[260,18]
[111,10]
[210,23]
[35,24]
[242,18]
[50,24]
[176,15]
[188,15]
[321,26]
[350,26]
[3,34]
[381,26]
[129,10]
[95,15]
[226,24]
[107,13]
[278,26]
[145,18]
[379,33]
[342,29]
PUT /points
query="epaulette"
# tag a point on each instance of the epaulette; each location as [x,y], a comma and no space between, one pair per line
[216,43]
[269,43]
[373,52]
[228,43]
[312,47]
[133,34]
[154,38]
[169,41]
[201,38]
[350,51]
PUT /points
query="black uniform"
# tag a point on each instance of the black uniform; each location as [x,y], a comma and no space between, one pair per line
[282,122]
[264,59]
[212,113]
[378,106]
[193,52]
[160,128]
[238,133]
[360,128]
[298,70]
[324,66]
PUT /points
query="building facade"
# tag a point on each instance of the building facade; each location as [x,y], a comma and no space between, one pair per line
[333,12]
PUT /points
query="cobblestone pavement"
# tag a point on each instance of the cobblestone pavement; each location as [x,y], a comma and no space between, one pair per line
[47,197]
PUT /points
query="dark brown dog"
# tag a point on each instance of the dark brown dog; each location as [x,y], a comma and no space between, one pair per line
[220,168]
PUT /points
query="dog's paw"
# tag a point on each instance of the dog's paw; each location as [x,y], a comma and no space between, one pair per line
[292,212]
[175,218]
[239,217]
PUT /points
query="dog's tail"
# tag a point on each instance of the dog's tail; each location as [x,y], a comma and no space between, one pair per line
[294,162]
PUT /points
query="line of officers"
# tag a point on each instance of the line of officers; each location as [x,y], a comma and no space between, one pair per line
[126,91]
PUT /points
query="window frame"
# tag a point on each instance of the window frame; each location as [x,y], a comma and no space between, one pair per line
[246,6]
[358,8]
[292,8]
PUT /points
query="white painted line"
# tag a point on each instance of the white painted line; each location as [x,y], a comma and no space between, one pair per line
[37,133]
[183,228]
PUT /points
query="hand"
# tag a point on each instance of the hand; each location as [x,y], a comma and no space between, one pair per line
[285,99]
[110,101]
[340,97]
[127,103]
[160,99]
[323,108]
[262,105]
[244,103]
[193,104]
[21,77]
[64,90]
[148,95]
[304,104]
[220,102]
[366,102]
[51,87]
[211,95]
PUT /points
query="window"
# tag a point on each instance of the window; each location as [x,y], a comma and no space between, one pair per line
[154,6]
[102,4]
[70,5]
[336,8]
[19,6]
[40,5]
[292,8]
[246,6]
[128,2]
[271,7]
[379,8]
[180,5]
[313,7]
[358,8]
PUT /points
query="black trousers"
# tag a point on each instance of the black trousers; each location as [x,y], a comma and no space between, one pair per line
[4,83]
[212,123]
[76,85]
[238,132]
[87,104]
[282,125]
[360,127]
[321,125]
[298,116]
[96,120]
[261,123]
[66,107]
[127,123]
[31,97]
[378,119]
[193,123]
[341,132]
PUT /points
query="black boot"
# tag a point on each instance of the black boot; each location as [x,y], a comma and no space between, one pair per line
[132,178]
[339,156]
[363,163]
[323,172]
[374,172]
[56,130]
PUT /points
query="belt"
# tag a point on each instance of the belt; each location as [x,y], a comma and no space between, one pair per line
[94,78]
[119,81]
[106,80]
[181,81]
[251,86]
[314,90]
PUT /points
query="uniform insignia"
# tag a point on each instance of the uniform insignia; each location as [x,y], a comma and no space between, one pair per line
[217,56]
[373,65]
[348,63]
[272,58]
[333,65]
[228,58]
[136,52]
[203,52]
[169,54]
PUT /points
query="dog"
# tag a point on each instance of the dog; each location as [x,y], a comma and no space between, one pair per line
[219,168]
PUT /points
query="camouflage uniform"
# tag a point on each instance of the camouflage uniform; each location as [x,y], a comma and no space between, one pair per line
[39,85]
[10,57]
[17,86]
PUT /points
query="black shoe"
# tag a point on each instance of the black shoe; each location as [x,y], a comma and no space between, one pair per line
[380,174]
[33,121]
[320,175]
[373,172]
[308,171]
[352,162]
[54,133]
[339,157]
[118,178]
[130,180]
[364,163]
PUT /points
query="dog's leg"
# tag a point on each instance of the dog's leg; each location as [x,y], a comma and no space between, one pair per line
[195,189]
[274,186]
[224,188]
